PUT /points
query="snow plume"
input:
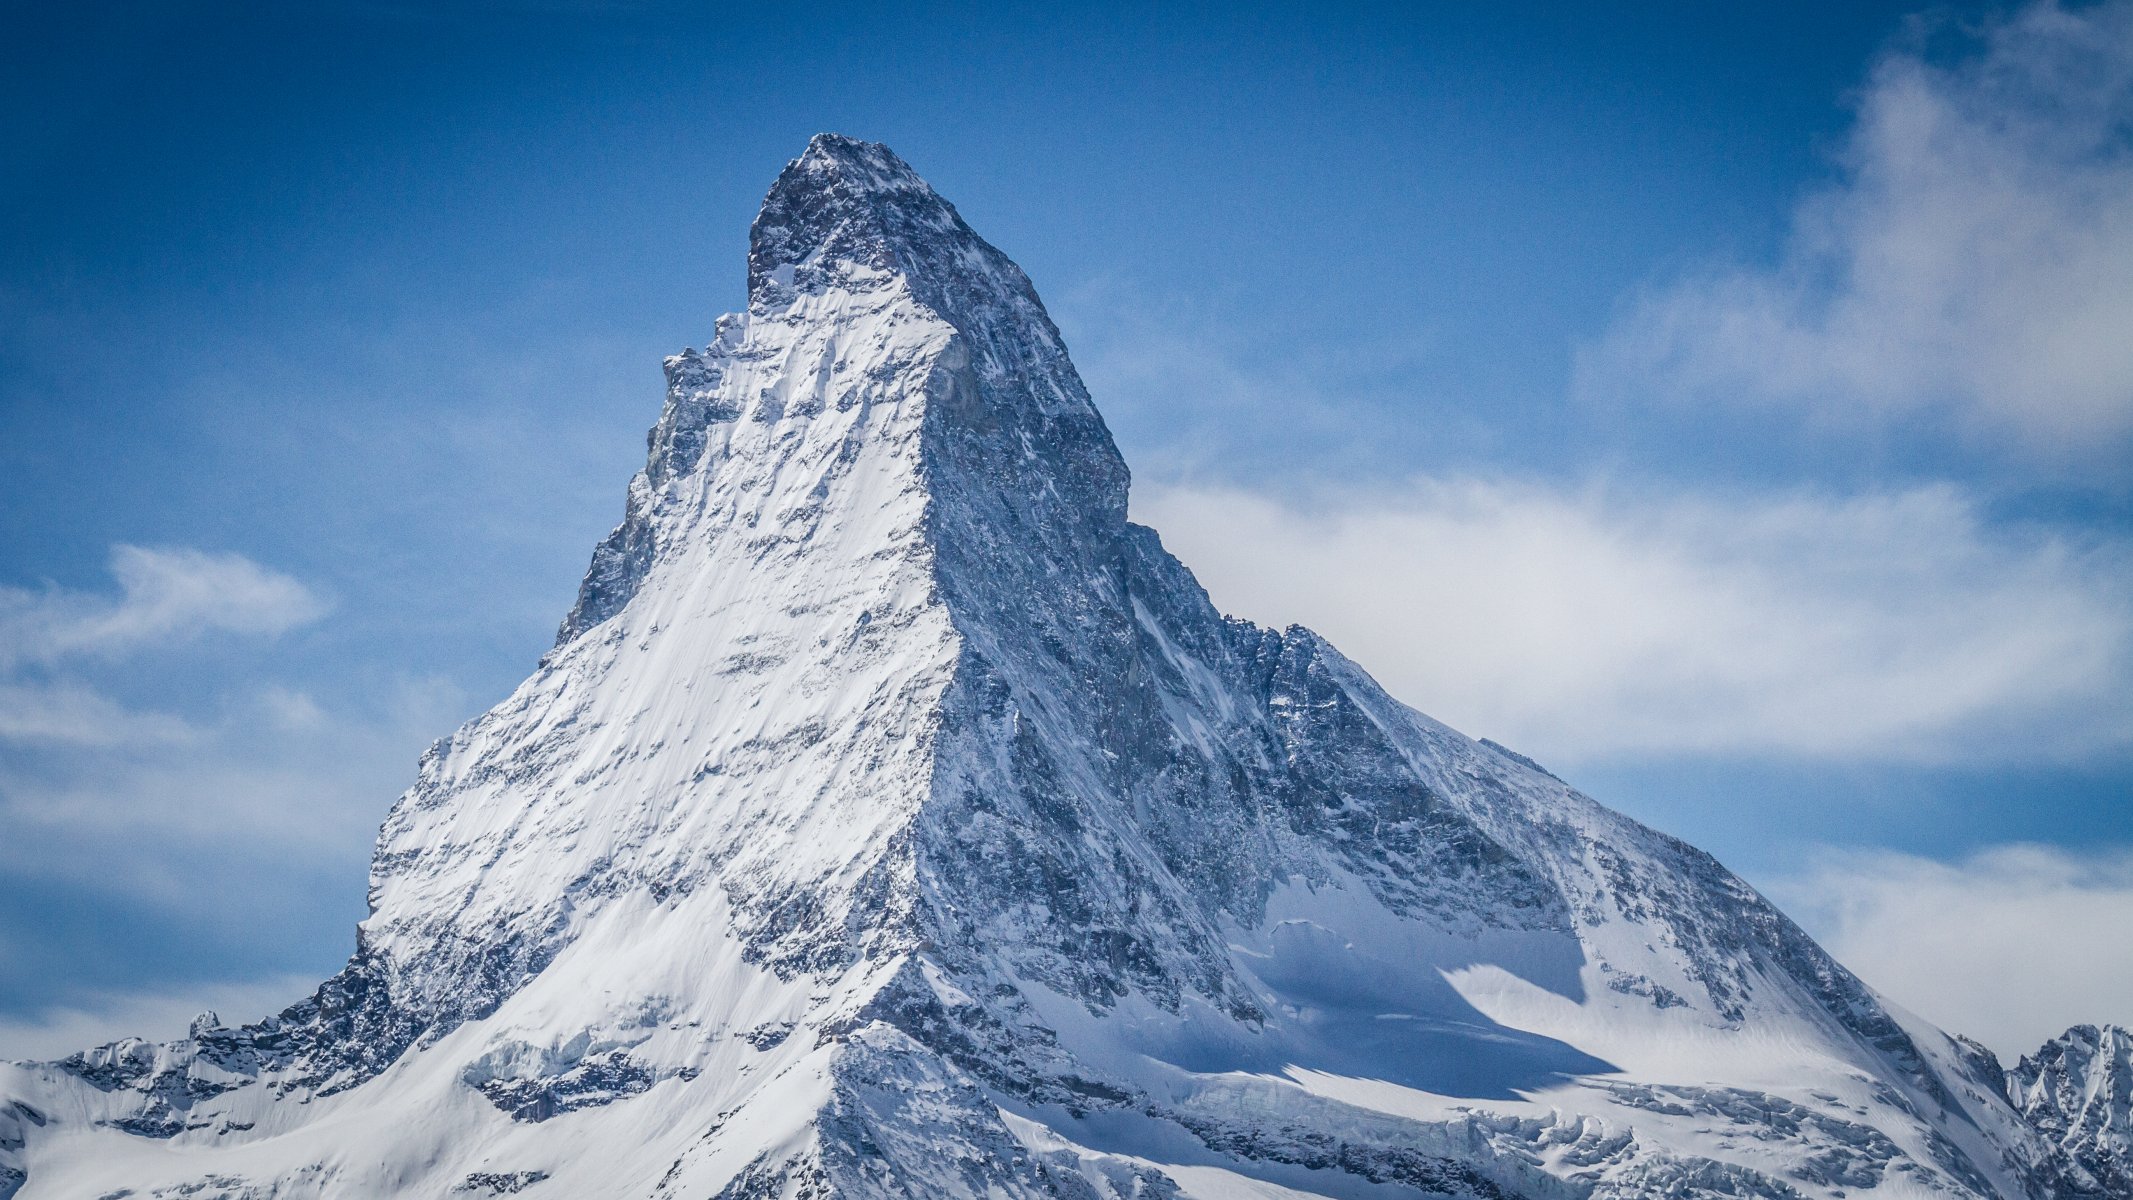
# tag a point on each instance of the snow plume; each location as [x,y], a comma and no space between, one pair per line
[1588,625]
[2010,945]
[1973,261]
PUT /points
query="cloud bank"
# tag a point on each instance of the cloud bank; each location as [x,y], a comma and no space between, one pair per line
[1583,625]
[2010,946]
[1973,264]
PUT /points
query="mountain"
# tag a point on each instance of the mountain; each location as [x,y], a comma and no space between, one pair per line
[2078,1091]
[894,818]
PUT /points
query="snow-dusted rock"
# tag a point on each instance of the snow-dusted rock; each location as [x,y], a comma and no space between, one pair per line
[2077,1090]
[894,818]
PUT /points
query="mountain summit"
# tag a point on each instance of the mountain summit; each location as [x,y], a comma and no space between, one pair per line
[894,818]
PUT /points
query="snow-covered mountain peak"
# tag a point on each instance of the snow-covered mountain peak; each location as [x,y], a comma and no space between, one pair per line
[865,286]
[893,818]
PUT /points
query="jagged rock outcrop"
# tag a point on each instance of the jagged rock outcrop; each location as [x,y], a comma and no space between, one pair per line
[895,818]
[2077,1090]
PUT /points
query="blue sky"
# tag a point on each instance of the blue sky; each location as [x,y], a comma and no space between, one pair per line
[1728,405]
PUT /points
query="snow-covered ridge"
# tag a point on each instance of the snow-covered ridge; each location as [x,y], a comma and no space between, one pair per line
[894,818]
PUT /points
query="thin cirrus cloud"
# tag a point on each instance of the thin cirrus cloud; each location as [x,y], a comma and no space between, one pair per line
[70,713]
[86,774]
[255,786]
[2011,945]
[164,595]
[1973,263]
[1584,625]
[274,805]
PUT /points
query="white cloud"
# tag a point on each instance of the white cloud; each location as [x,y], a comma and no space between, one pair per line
[2010,946]
[68,712]
[1975,262]
[147,803]
[153,821]
[105,1017]
[1581,625]
[246,843]
[165,595]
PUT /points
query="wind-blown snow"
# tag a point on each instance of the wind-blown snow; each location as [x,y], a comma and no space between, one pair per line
[893,818]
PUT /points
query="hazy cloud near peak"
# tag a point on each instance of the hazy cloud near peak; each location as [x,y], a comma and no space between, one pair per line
[1973,263]
[156,1015]
[1581,625]
[2011,945]
[170,594]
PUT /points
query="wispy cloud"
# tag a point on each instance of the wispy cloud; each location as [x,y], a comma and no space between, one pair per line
[276,776]
[103,1017]
[1584,624]
[245,781]
[2011,945]
[1974,264]
[164,595]
[238,850]
[70,713]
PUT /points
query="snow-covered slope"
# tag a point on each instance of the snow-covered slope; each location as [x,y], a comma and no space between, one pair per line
[894,818]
